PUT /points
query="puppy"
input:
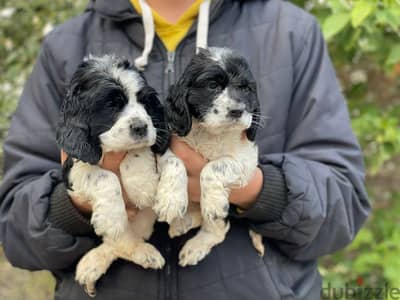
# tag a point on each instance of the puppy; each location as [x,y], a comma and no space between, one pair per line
[214,108]
[110,107]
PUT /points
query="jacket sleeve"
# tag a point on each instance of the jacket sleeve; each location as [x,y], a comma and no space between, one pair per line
[31,172]
[313,201]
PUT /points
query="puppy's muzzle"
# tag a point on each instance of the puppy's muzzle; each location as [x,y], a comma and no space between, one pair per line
[138,130]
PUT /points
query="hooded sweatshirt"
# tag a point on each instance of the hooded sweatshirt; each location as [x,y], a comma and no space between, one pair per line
[313,200]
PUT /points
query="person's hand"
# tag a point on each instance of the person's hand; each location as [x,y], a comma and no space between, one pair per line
[194,162]
[111,162]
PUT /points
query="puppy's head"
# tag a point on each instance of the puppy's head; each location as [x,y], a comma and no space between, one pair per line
[218,90]
[110,107]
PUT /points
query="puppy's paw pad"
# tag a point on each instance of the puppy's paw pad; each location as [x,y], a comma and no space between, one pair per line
[147,256]
[193,252]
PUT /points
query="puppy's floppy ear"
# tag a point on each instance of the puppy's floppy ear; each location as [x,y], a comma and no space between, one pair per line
[255,122]
[177,110]
[75,141]
[148,97]
[73,134]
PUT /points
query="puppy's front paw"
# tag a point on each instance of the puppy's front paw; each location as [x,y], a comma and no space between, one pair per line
[201,244]
[172,197]
[147,256]
[111,225]
[170,205]
[194,251]
[91,267]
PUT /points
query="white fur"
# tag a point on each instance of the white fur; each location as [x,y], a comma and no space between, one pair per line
[103,191]
[172,197]
[140,173]
[218,53]
[123,239]
[233,160]
[130,246]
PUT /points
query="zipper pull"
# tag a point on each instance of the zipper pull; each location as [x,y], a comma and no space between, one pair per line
[171,62]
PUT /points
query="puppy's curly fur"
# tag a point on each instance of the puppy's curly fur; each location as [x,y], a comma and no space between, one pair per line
[110,107]
[211,105]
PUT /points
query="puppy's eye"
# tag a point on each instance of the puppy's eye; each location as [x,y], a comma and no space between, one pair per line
[245,88]
[213,85]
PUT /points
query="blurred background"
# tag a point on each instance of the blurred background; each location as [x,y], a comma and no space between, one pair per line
[364,41]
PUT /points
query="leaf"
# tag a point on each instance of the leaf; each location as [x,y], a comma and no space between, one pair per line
[364,237]
[361,10]
[394,55]
[334,24]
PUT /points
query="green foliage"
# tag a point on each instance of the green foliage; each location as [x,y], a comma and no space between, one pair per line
[378,133]
[362,27]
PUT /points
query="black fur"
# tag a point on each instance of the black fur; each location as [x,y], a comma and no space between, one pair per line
[66,168]
[201,83]
[92,104]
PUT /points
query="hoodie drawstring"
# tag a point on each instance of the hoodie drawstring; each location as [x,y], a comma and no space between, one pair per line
[148,24]
[149,31]
[202,26]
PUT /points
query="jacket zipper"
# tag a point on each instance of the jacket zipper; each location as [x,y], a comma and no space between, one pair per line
[168,279]
[170,70]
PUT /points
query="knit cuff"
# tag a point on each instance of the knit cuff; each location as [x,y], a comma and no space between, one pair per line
[64,215]
[272,199]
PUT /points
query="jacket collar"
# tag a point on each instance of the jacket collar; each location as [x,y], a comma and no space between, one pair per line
[122,10]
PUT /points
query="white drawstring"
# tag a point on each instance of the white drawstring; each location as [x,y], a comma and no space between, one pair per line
[148,24]
[202,26]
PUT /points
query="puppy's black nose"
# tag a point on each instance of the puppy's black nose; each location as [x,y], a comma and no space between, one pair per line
[235,113]
[139,130]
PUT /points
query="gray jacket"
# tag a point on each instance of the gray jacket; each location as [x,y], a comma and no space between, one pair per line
[313,201]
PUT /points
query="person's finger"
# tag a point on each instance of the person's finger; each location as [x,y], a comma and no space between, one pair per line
[194,190]
[83,206]
[131,212]
[112,160]
[194,161]
[63,156]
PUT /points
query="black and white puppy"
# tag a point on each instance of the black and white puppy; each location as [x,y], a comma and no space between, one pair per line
[110,107]
[211,107]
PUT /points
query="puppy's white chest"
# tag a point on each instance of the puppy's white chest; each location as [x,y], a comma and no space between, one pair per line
[216,146]
[139,177]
